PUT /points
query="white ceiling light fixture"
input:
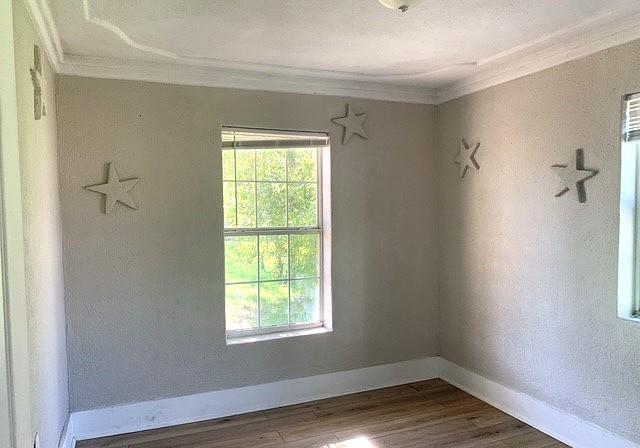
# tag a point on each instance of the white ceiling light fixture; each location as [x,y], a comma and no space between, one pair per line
[400,5]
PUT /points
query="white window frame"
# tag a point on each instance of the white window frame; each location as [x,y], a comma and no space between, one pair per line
[322,229]
[629,236]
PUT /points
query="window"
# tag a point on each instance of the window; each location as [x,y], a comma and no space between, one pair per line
[629,248]
[276,217]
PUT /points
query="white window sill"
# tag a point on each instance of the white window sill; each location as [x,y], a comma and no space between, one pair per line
[275,336]
[630,319]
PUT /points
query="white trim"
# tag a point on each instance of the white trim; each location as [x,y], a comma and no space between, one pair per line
[208,405]
[67,438]
[325,265]
[293,333]
[273,69]
[146,415]
[198,75]
[634,320]
[559,424]
[45,26]
[14,298]
[612,28]
[608,30]
[8,138]
[627,235]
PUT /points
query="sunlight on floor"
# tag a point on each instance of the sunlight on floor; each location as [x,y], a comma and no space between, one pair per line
[360,442]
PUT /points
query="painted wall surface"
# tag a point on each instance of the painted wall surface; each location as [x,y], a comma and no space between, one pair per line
[43,246]
[528,281]
[145,291]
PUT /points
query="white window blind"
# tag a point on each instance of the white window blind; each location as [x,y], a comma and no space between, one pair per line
[249,139]
[631,124]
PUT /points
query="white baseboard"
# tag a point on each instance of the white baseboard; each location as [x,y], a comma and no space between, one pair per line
[565,427]
[191,408]
[562,426]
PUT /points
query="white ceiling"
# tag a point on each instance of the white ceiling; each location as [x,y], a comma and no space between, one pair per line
[434,49]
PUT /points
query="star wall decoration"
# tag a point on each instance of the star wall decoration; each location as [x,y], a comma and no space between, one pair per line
[352,124]
[115,190]
[466,157]
[574,178]
[39,85]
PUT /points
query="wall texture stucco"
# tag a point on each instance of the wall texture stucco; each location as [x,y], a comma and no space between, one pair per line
[528,281]
[524,283]
[145,291]
[42,233]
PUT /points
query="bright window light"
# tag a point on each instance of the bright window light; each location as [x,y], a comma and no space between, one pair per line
[360,442]
[275,198]
[629,237]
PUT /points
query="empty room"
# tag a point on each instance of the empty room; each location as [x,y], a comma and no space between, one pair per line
[319,223]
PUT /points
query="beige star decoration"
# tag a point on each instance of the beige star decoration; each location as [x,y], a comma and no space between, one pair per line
[115,190]
[574,178]
[352,124]
[466,157]
[39,85]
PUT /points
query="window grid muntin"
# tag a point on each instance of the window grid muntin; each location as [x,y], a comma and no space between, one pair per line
[255,198]
[264,231]
[636,235]
[286,176]
[289,279]
[270,182]
[275,280]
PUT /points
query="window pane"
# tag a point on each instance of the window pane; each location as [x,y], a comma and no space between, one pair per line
[272,211]
[304,255]
[274,259]
[245,160]
[246,204]
[241,258]
[305,301]
[274,304]
[302,165]
[303,208]
[241,306]
[228,165]
[272,277]
[271,164]
[229,203]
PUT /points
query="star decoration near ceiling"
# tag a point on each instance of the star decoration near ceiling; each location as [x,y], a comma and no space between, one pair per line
[574,178]
[115,190]
[466,157]
[352,124]
[39,85]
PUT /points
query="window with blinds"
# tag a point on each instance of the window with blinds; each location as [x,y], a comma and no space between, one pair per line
[274,216]
[631,124]
[629,236]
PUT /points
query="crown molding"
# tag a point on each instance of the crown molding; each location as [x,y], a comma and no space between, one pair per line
[600,33]
[239,79]
[272,69]
[607,30]
[45,26]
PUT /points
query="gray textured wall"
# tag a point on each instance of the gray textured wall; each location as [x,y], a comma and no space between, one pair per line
[43,247]
[145,293]
[528,281]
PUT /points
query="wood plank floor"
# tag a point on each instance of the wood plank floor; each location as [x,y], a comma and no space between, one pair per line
[426,414]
